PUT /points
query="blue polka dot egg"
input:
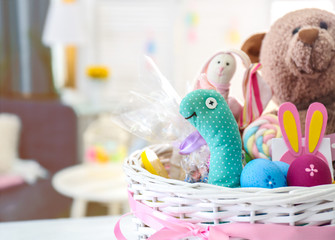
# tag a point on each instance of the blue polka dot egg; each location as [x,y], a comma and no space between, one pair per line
[262,173]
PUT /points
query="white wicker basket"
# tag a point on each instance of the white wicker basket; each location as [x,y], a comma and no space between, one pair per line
[201,203]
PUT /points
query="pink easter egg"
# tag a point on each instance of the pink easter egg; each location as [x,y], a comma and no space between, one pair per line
[308,171]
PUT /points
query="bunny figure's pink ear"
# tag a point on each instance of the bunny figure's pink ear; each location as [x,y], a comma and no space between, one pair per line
[289,123]
[315,126]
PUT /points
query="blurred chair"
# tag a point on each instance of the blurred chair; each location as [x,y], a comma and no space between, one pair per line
[49,136]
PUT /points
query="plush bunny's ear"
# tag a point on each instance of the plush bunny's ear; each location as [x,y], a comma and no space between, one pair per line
[241,54]
[289,123]
[315,127]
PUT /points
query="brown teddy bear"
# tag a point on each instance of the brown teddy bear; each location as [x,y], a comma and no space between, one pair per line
[298,61]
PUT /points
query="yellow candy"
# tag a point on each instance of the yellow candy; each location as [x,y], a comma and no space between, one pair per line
[152,163]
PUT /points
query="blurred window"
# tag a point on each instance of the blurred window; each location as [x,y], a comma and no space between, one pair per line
[25,64]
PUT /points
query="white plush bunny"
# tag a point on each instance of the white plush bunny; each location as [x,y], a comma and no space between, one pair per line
[220,71]
[217,73]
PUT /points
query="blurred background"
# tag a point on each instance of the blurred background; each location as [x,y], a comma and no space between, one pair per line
[65,66]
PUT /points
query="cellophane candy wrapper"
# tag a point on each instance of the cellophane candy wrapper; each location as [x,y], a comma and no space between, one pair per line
[196,165]
[151,111]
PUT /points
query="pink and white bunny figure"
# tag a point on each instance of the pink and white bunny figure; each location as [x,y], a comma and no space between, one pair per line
[217,73]
[308,166]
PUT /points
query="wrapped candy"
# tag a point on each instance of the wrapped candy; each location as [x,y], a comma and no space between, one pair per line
[196,165]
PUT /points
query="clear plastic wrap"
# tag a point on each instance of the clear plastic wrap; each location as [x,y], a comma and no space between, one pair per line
[196,165]
[151,111]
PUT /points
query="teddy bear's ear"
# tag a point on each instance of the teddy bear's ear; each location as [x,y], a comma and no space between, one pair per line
[252,46]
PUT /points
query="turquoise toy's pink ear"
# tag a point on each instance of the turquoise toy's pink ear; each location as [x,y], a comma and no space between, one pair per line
[289,123]
[316,122]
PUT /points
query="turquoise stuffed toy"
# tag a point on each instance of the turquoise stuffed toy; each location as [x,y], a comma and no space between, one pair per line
[209,113]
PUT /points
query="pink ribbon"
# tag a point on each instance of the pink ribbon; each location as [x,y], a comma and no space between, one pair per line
[222,88]
[170,228]
[251,91]
[205,83]
[256,89]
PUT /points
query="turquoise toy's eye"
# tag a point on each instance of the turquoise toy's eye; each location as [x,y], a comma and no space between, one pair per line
[211,103]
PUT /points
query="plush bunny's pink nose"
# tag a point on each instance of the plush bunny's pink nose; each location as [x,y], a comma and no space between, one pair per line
[308,36]
[220,71]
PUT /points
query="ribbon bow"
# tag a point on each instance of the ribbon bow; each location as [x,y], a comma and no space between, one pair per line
[172,230]
[193,142]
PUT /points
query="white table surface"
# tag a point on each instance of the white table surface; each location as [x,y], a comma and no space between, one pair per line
[93,182]
[103,183]
[89,228]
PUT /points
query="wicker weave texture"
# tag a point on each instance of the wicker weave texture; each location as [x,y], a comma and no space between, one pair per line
[201,203]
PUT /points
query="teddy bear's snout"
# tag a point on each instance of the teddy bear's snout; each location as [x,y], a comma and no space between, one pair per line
[310,52]
[309,35]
